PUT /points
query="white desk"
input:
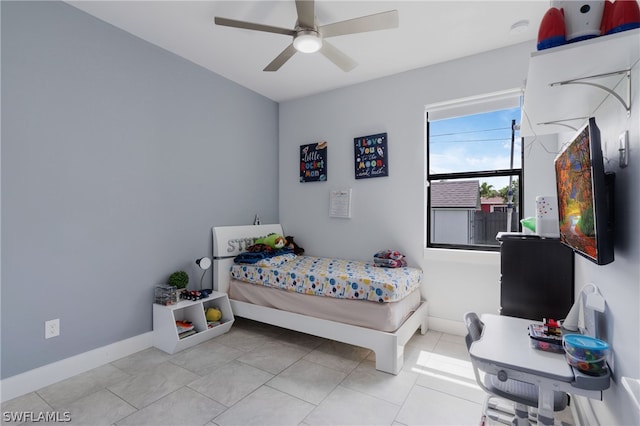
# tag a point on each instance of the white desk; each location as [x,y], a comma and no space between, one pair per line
[504,350]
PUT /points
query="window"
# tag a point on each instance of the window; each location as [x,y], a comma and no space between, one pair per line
[474,170]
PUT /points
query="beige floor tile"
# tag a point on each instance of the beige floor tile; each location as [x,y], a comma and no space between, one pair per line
[365,378]
[307,380]
[273,357]
[184,407]
[206,357]
[348,407]
[143,360]
[339,356]
[429,407]
[100,408]
[142,389]
[266,406]
[62,393]
[231,383]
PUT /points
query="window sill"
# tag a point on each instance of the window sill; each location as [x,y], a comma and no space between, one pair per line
[476,257]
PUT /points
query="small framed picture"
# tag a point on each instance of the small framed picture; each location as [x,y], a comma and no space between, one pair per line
[313,162]
[371,156]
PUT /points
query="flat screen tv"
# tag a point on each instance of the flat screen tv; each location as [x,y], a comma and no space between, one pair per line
[585,196]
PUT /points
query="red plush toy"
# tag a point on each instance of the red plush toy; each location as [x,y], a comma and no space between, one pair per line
[621,15]
[571,21]
[552,31]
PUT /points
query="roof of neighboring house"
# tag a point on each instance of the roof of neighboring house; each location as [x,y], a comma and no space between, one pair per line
[464,194]
[492,200]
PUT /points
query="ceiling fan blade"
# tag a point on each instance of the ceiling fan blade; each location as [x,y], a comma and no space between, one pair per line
[378,21]
[281,58]
[251,26]
[337,57]
[306,13]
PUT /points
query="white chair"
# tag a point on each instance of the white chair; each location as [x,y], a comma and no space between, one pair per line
[521,397]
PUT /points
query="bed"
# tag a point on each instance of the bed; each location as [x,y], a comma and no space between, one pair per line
[344,300]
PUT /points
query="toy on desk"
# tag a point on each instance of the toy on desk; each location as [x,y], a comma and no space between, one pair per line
[546,338]
[552,327]
[586,353]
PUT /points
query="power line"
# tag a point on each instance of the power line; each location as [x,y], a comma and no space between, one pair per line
[473,140]
[471,131]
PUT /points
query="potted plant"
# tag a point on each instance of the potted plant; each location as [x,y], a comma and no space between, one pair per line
[179,280]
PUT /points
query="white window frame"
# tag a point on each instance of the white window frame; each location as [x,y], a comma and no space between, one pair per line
[468,106]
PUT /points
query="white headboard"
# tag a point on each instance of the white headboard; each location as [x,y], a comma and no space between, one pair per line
[228,242]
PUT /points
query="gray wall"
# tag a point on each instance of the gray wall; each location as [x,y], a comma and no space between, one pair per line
[117,158]
[619,282]
[389,212]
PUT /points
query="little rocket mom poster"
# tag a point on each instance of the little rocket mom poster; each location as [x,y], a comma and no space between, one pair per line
[313,162]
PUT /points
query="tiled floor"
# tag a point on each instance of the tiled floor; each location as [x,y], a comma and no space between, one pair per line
[263,375]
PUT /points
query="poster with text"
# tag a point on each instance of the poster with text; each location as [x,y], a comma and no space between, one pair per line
[313,162]
[371,156]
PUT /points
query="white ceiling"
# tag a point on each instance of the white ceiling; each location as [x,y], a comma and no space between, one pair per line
[429,32]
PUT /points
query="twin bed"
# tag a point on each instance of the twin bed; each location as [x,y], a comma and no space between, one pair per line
[344,300]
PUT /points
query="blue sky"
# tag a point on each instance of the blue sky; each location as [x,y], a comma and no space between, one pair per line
[474,143]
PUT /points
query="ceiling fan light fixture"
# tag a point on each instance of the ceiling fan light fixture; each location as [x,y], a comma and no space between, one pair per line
[307,41]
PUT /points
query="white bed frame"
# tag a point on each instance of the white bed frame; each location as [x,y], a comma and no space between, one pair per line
[229,241]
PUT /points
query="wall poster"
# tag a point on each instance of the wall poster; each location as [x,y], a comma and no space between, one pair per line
[313,162]
[371,156]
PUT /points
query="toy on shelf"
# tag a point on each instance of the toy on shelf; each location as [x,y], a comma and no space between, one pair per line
[552,31]
[194,295]
[569,21]
[620,16]
[582,19]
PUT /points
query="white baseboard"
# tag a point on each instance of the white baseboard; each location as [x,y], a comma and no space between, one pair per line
[32,380]
[447,326]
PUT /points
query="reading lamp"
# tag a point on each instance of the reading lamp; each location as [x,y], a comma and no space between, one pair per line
[204,263]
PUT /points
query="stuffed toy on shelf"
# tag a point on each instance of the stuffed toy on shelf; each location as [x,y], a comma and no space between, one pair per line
[569,21]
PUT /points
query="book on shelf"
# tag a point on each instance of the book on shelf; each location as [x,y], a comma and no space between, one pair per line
[186,333]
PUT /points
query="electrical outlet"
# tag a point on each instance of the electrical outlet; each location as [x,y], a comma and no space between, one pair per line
[52,328]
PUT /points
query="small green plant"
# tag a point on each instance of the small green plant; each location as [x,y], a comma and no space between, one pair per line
[179,279]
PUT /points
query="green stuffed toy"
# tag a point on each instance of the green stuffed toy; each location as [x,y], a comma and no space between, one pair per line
[273,240]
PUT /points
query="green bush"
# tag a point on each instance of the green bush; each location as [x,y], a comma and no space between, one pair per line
[179,279]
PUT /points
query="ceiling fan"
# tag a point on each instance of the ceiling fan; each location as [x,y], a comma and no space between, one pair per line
[308,37]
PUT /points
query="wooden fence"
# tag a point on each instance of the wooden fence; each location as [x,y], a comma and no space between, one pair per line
[486,225]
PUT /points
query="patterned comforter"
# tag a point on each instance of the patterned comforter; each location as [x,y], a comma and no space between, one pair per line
[339,278]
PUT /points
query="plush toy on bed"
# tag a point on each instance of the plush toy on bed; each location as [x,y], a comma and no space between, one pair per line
[389,259]
[273,240]
[297,250]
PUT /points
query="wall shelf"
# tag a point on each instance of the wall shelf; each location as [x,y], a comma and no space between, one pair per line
[567,84]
